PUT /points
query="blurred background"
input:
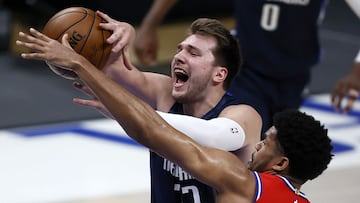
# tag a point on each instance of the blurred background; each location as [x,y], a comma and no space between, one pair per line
[82,161]
[32,94]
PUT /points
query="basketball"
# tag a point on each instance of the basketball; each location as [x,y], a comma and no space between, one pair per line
[85,37]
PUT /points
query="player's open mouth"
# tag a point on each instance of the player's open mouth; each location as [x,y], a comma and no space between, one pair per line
[180,76]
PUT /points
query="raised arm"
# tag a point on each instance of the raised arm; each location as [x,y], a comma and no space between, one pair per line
[221,133]
[151,87]
[219,169]
[146,41]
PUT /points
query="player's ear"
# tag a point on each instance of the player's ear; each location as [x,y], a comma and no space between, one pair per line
[281,164]
[220,74]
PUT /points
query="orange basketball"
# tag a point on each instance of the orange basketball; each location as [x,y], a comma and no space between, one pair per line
[85,36]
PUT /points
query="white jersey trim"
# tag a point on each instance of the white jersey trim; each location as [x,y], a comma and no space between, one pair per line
[258,186]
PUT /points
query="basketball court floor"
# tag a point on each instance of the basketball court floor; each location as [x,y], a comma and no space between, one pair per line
[94,161]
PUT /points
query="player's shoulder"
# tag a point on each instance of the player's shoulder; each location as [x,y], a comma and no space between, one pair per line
[241,108]
[242,113]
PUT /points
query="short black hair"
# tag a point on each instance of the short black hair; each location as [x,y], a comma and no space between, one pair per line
[305,142]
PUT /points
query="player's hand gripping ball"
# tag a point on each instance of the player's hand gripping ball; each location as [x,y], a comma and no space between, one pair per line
[85,37]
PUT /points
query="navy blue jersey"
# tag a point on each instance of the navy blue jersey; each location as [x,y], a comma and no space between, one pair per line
[169,182]
[279,38]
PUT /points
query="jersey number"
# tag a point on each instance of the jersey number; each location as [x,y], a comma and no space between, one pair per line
[270,17]
[187,189]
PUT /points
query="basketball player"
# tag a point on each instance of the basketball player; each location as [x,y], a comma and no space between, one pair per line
[280,44]
[279,165]
[202,70]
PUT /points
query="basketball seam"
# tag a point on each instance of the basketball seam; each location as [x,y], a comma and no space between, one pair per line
[90,31]
[103,47]
[96,52]
[71,25]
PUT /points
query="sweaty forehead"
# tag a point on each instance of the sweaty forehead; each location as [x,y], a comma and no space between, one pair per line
[201,42]
[271,134]
[271,137]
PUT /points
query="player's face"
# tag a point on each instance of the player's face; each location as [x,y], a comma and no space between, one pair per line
[193,67]
[266,153]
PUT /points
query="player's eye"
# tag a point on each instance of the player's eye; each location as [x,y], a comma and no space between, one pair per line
[194,53]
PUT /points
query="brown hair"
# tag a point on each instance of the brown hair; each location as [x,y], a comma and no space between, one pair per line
[227,53]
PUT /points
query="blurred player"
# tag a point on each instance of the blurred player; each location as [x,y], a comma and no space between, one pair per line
[349,85]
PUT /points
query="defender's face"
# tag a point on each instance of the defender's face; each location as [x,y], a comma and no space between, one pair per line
[266,152]
[192,67]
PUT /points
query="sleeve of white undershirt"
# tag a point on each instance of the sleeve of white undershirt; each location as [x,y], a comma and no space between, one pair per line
[221,133]
[357,59]
[355,6]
